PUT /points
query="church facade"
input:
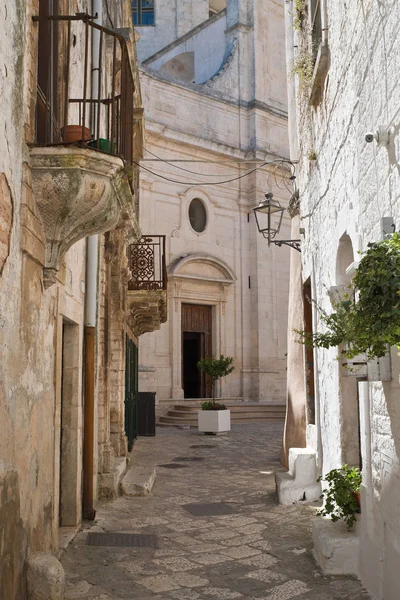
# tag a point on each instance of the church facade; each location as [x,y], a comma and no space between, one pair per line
[214,90]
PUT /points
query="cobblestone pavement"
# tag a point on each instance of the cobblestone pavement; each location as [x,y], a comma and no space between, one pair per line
[258,551]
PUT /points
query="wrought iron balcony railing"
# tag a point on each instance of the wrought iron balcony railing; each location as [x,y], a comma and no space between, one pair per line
[147,264]
[85,86]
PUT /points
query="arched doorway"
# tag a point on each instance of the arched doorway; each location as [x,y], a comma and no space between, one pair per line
[348,381]
[200,288]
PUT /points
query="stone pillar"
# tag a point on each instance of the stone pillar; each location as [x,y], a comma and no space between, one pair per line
[176,336]
[295,425]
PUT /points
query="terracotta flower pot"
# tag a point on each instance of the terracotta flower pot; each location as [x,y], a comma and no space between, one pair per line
[73,133]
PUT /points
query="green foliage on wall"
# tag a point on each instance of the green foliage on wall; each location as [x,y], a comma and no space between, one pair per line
[368,320]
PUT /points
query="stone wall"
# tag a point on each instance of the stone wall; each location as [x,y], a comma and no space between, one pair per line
[41,330]
[344,193]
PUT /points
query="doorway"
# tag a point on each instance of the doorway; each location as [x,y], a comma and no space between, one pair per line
[196,345]
[131,390]
[193,344]
[309,353]
[70,457]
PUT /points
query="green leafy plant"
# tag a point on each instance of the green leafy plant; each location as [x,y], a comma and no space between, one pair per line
[299,14]
[340,498]
[312,155]
[367,320]
[303,67]
[210,405]
[216,368]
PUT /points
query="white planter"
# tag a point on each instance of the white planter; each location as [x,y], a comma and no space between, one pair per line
[214,421]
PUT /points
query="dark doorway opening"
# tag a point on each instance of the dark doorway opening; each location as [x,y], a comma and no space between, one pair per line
[309,353]
[196,345]
[192,353]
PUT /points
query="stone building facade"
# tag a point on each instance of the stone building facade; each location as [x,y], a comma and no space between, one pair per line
[66,313]
[214,89]
[347,185]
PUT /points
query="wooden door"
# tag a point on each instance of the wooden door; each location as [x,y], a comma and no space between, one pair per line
[197,319]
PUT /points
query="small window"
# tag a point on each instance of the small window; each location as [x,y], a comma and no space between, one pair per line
[197,215]
[143,12]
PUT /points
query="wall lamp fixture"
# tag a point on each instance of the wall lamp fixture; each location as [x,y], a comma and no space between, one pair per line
[269,215]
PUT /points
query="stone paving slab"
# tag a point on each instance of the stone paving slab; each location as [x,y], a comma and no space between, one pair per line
[261,551]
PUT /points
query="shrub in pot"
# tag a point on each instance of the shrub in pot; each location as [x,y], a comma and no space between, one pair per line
[341,497]
[213,416]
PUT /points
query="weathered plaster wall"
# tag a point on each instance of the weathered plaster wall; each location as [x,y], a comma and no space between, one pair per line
[348,189]
[41,331]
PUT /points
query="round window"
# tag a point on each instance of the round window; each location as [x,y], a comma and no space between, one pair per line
[197,215]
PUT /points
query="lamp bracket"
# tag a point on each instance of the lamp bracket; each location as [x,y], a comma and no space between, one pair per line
[292,243]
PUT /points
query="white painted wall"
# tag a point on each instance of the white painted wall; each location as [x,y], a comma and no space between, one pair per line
[348,189]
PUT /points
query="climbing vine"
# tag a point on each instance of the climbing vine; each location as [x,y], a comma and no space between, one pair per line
[367,319]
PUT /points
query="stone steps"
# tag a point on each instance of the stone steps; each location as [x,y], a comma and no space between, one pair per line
[244,412]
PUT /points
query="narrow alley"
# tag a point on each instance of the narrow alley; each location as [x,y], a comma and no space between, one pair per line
[211,528]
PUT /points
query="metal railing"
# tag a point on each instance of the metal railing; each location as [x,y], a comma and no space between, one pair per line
[85,86]
[147,263]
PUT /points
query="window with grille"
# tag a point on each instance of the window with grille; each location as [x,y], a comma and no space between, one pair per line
[143,12]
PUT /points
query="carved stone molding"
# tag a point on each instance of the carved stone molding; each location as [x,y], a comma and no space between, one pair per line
[146,310]
[79,192]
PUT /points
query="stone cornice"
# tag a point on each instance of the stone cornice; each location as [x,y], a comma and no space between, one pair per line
[203,90]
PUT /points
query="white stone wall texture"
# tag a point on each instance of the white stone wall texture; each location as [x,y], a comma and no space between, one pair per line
[345,192]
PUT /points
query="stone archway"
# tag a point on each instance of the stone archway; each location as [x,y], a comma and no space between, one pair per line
[348,384]
[202,280]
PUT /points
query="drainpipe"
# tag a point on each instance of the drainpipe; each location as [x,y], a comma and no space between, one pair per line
[92,268]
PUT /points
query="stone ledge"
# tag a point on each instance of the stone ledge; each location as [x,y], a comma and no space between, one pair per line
[299,484]
[138,481]
[109,482]
[336,550]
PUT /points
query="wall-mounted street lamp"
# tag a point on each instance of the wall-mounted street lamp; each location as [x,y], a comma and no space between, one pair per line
[269,215]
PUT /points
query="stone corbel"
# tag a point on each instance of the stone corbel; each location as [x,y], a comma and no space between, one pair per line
[146,311]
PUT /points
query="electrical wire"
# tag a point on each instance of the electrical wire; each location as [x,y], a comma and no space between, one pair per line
[187,170]
[197,183]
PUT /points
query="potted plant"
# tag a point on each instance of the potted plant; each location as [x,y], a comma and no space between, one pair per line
[214,417]
[342,496]
[76,133]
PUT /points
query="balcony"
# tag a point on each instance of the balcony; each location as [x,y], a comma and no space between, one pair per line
[147,290]
[88,130]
